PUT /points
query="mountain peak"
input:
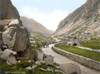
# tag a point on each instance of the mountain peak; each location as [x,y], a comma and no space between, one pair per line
[83,20]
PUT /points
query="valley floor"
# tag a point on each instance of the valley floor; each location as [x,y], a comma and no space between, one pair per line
[61,60]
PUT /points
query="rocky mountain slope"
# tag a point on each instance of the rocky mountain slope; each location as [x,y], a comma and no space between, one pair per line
[13,36]
[84,22]
[35,27]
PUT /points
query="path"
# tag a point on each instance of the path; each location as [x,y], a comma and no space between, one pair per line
[61,59]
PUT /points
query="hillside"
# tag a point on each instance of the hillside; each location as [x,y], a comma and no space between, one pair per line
[35,27]
[83,23]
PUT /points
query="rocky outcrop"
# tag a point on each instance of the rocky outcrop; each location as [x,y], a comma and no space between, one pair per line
[7,10]
[83,22]
[35,27]
[12,33]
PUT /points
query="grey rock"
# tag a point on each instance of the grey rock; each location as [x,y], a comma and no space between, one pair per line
[39,62]
[11,59]
[34,66]
[4,46]
[14,22]
[39,55]
[48,69]
[7,53]
[30,61]
[29,68]
[49,60]
[42,69]
[70,68]
[8,39]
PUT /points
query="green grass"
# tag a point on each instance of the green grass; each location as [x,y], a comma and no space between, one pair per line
[20,68]
[93,43]
[39,71]
[86,53]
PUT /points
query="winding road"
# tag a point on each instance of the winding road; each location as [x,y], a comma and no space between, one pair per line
[61,60]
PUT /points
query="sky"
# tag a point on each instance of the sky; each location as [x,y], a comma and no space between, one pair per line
[47,12]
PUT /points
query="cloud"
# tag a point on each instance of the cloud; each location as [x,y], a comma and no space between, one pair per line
[50,20]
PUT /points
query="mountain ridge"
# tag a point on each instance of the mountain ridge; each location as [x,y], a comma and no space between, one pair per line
[35,27]
[86,17]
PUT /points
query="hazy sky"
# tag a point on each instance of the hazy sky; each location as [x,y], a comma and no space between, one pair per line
[47,12]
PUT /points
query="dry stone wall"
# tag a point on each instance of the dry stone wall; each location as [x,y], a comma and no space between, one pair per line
[83,60]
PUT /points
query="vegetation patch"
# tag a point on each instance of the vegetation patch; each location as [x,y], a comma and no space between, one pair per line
[20,68]
[82,52]
[40,40]
[93,43]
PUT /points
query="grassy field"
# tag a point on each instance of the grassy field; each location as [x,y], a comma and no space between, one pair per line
[82,52]
[93,43]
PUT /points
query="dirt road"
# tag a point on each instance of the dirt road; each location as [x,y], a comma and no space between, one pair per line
[61,59]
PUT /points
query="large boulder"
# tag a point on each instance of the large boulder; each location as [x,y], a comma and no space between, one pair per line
[12,33]
[16,38]
[8,55]
[11,59]
[49,60]
[39,55]
[7,38]
[70,68]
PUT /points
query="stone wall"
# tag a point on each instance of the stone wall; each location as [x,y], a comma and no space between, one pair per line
[83,60]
